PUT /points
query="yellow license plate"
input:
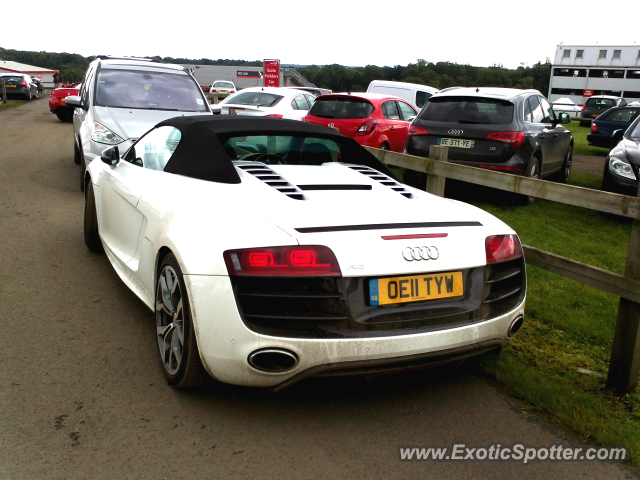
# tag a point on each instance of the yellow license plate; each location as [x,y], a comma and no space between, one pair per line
[415,288]
[11,86]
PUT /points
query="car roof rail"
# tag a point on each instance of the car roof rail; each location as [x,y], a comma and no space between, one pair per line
[137,59]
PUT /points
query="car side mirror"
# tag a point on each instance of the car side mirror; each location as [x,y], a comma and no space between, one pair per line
[215,109]
[616,137]
[564,118]
[74,101]
[111,155]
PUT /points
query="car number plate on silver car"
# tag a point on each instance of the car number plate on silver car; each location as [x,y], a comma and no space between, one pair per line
[456,142]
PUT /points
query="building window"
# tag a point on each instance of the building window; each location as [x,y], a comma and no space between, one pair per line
[633,73]
[630,94]
[580,53]
[638,54]
[616,53]
[603,54]
[566,54]
[569,72]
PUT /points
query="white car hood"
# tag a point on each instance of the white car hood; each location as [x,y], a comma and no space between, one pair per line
[132,123]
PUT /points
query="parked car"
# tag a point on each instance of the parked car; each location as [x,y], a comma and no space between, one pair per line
[38,84]
[268,102]
[621,168]
[121,98]
[222,88]
[502,129]
[598,104]
[58,101]
[272,250]
[371,119]
[418,95]
[617,118]
[19,85]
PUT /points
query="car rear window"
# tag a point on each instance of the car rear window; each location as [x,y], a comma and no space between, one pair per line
[223,85]
[11,79]
[626,115]
[601,103]
[341,108]
[468,110]
[257,99]
[149,91]
[283,149]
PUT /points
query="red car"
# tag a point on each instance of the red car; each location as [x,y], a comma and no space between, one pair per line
[57,103]
[372,119]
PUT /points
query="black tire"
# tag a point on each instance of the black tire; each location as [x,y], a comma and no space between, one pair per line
[29,96]
[91,233]
[64,115]
[563,175]
[533,171]
[173,320]
[76,152]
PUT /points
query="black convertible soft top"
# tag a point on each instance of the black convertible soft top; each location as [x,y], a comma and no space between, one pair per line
[200,153]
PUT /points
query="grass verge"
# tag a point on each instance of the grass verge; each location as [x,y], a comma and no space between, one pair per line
[580,144]
[568,326]
[4,106]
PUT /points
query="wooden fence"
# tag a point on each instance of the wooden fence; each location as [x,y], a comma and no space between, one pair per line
[625,356]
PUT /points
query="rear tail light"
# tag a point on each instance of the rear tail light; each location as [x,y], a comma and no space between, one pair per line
[274,115]
[24,83]
[366,128]
[502,248]
[213,90]
[510,138]
[594,127]
[313,260]
[583,107]
[415,130]
[500,168]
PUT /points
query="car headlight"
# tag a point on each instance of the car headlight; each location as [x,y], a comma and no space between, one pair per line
[102,134]
[621,167]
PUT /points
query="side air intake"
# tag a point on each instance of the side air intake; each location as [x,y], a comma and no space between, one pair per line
[382,178]
[271,178]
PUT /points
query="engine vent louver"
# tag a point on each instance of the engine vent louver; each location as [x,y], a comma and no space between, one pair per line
[382,178]
[271,178]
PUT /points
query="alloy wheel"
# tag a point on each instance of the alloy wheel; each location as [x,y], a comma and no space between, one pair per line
[170,320]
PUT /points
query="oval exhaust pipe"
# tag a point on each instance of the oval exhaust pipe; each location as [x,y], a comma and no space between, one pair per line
[515,326]
[273,360]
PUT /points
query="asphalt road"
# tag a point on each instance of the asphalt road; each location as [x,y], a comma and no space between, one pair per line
[82,393]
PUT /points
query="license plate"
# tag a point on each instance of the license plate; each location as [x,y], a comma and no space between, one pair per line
[11,86]
[415,288]
[456,142]
[224,91]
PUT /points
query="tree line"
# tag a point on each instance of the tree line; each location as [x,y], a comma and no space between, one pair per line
[335,77]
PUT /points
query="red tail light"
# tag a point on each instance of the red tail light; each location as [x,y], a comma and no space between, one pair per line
[24,83]
[274,115]
[501,248]
[314,260]
[510,138]
[500,168]
[584,106]
[594,127]
[415,130]
[366,128]
[213,90]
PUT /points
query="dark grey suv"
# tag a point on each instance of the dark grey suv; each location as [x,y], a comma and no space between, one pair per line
[598,104]
[502,129]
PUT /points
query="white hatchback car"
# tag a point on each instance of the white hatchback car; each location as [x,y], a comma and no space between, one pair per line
[268,102]
[122,98]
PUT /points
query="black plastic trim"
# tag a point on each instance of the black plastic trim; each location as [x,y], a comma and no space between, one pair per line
[386,226]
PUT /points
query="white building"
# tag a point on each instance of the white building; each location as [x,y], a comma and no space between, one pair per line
[595,69]
[45,75]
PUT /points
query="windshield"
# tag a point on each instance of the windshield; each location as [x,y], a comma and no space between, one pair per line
[257,99]
[223,85]
[283,150]
[634,130]
[468,110]
[149,91]
[601,103]
[341,108]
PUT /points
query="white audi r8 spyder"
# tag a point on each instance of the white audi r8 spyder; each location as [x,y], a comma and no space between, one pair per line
[273,250]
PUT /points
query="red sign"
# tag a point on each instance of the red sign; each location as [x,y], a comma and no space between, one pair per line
[587,93]
[272,73]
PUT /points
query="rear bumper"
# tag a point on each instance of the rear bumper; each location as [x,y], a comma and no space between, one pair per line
[225,342]
[596,140]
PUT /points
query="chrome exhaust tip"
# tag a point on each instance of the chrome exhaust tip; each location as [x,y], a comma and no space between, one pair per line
[273,360]
[515,326]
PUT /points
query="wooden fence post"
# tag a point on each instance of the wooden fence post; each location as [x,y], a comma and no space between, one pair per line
[435,183]
[625,353]
[3,92]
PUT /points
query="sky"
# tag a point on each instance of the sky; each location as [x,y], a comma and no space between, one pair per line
[350,33]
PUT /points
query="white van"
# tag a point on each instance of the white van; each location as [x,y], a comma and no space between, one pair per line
[415,93]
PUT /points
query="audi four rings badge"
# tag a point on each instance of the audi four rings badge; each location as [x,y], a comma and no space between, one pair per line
[420,253]
[454,131]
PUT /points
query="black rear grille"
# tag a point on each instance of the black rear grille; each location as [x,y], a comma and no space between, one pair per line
[271,178]
[337,307]
[382,178]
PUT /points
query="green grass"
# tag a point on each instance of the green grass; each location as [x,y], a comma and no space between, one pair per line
[580,144]
[569,325]
[7,105]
